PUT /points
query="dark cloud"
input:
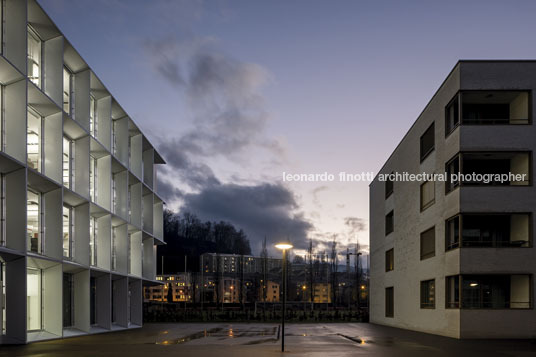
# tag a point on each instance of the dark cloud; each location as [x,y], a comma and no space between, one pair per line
[315,193]
[355,224]
[261,210]
[229,118]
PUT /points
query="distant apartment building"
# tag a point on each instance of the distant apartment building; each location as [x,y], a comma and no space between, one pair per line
[269,291]
[456,257]
[178,287]
[231,263]
[79,216]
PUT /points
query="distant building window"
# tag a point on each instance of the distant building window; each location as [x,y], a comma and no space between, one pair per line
[428,243]
[452,233]
[427,142]
[427,194]
[389,187]
[389,222]
[428,294]
[390,259]
[452,115]
[453,292]
[389,302]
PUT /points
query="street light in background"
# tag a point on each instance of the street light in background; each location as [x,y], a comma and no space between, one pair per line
[284,246]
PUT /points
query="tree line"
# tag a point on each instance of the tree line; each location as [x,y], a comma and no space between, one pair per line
[187,237]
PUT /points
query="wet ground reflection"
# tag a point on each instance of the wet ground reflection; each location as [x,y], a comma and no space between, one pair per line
[222,334]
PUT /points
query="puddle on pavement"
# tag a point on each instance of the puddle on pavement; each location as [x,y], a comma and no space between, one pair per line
[223,334]
[193,336]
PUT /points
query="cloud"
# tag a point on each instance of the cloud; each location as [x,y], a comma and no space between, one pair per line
[315,193]
[261,210]
[355,224]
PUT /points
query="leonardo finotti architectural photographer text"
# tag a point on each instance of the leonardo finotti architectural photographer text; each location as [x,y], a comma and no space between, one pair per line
[485,178]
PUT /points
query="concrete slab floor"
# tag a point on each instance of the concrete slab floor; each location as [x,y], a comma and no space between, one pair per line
[243,339]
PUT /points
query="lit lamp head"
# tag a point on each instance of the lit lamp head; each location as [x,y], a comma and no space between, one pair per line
[284,245]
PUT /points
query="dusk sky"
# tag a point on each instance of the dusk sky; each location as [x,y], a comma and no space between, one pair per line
[234,93]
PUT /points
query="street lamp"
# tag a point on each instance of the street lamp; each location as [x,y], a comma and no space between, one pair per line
[284,246]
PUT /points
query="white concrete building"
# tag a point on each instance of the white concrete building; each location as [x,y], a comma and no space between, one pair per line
[79,216]
[456,258]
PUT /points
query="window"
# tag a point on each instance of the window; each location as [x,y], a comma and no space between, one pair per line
[389,302]
[495,230]
[114,250]
[34,299]
[93,116]
[428,294]
[452,115]
[68,300]
[496,291]
[93,231]
[3,209]
[93,178]
[33,143]
[452,233]
[499,167]
[389,222]
[67,84]
[452,168]
[390,260]
[68,241]
[68,163]
[428,243]
[34,57]
[427,194]
[33,222]
[389,187]
[427,142]
[453,292]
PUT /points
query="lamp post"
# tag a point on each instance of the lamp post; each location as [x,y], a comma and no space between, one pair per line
[284,247]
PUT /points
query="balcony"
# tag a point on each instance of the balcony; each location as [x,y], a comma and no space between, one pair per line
[488,108]
[489,169]
[488,230]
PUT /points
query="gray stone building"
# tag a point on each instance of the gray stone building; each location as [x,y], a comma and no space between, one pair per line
[456,257]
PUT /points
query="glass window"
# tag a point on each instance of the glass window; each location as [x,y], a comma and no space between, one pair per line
[389,222]
[452,115]
[427,141]
[34,300]
[428,294]
[114,252]
[428,243]
[452,233]
[390,259]
[67,81]
[93,116]
[68,300]
[389,302]
[33,221]
[93,178]
[495,291]
[427,194]
[389,187]
[34,140]
[68,232]
[66,162]
[495,107]
[452,168]
[93,231]
[34,57]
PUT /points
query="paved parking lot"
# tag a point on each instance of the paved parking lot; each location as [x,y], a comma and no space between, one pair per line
[337,339]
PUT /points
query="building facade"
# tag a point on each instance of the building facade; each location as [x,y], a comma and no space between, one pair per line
[79,214]
[455,257]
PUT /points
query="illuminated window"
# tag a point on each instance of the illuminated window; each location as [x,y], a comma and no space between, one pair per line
[93,116]
[68,232]
[93,178]
[93,231]
[428,294]
[34,130]
[67,81]
[34,57]
[34,299]
[33,221]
